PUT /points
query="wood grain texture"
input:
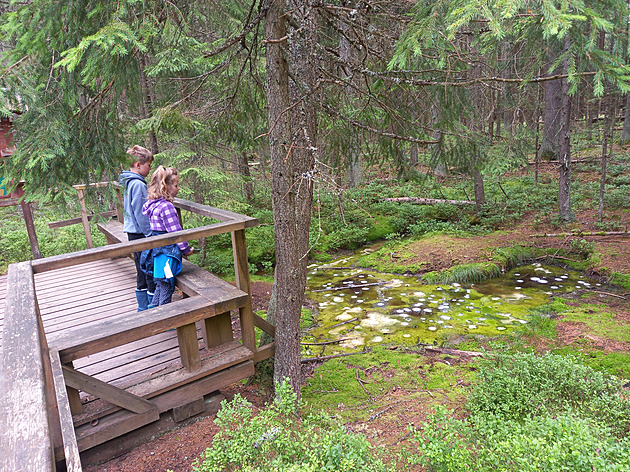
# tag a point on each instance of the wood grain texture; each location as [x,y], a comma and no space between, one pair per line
[26,433]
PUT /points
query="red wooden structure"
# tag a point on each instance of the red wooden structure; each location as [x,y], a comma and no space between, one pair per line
[15,196]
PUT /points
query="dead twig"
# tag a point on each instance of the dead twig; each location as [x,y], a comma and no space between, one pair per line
[344,322]
[379,413]
[323,358]
[325,342]
[608,293]
[348,286]
[361,382]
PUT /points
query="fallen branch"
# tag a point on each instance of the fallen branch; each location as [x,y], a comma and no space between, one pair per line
[361,382]
[345,322]
[428,201]
[608,293]
[324,358]
[379,413]
[348,286]
[581,233]
[455,352]
[326,342]
[549,256]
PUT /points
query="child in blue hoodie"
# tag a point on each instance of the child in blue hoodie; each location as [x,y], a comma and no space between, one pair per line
[136,225]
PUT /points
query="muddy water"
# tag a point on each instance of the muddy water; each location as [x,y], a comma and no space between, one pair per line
[361,307]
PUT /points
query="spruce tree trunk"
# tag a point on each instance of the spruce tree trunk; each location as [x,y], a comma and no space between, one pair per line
[564,159]
[292,141]
[625,133]
[552,120]
[480,194]
[348,54]
[147,102]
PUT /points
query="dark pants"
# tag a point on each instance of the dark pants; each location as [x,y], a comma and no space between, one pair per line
[143,281]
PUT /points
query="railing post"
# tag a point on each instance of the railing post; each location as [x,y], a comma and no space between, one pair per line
[84,216]
[25,415]
[120,207]
[30,229]
[241,270]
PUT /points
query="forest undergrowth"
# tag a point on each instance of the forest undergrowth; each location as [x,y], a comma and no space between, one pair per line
[438,408]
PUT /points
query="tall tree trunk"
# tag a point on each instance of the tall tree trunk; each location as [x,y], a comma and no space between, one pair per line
[552,119]
[480,194]
[564,159]
[147,102]
[606,150]
[348,54]
[625,133]
[292,141]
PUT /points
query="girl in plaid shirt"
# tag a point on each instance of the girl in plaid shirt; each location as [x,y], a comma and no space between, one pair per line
[163,219]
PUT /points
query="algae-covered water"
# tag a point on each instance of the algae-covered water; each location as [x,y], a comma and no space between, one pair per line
[358,307]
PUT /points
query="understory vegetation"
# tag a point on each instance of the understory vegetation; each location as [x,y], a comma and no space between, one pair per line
[522,412]
[347,219]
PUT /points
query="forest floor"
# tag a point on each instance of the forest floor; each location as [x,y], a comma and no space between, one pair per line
[388,426]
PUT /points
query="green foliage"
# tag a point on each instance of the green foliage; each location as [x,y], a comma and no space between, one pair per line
[279,439]
[463,274]
[525,385]
[541,443]
[531,413]
[623,280]
[581,248]
[15,245]
[513,256]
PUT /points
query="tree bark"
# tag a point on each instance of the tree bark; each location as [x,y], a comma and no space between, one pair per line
[292,142]
[348,54]
[552,118]
[625,133]
[606,150]
[147,102]
[564,159]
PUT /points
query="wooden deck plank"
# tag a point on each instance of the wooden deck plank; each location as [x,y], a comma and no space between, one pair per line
[93,337]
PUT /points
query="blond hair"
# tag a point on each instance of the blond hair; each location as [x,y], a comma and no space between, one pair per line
[162,177]
[139,154]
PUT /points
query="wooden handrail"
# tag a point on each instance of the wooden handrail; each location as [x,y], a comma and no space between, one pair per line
[26,440]
[123,249]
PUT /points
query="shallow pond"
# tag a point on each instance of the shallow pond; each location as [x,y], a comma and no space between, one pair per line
[358,307]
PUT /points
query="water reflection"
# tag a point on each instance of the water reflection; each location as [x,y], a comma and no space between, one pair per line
[361,307]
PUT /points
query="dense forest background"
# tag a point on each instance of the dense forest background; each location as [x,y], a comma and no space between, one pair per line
[271,107]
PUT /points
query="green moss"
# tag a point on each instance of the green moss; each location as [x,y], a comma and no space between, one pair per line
[391,258]
[334,385]
[614,363]
[463,274]
[623,280]
[381,227]
[306,319]
[599,321]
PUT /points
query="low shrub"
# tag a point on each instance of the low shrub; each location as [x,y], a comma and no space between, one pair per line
[279,439]
[463,274]
[525,385]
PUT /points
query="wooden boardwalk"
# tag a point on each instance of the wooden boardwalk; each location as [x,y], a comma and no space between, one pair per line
[80,366]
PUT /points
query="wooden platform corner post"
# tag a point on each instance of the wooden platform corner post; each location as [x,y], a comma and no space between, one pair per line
[241,270]
[26,419]
[120,206]
[84,216]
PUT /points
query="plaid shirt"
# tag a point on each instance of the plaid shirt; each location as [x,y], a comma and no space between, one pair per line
[163,217]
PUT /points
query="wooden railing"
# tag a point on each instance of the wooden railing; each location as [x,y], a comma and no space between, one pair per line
[29,408]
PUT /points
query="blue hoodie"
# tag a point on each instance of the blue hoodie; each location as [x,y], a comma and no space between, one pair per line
[135,196]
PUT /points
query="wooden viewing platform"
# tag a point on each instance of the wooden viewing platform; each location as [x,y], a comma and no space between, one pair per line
[80,366]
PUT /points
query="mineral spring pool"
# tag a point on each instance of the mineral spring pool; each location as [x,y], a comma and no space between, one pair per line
[358,307]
